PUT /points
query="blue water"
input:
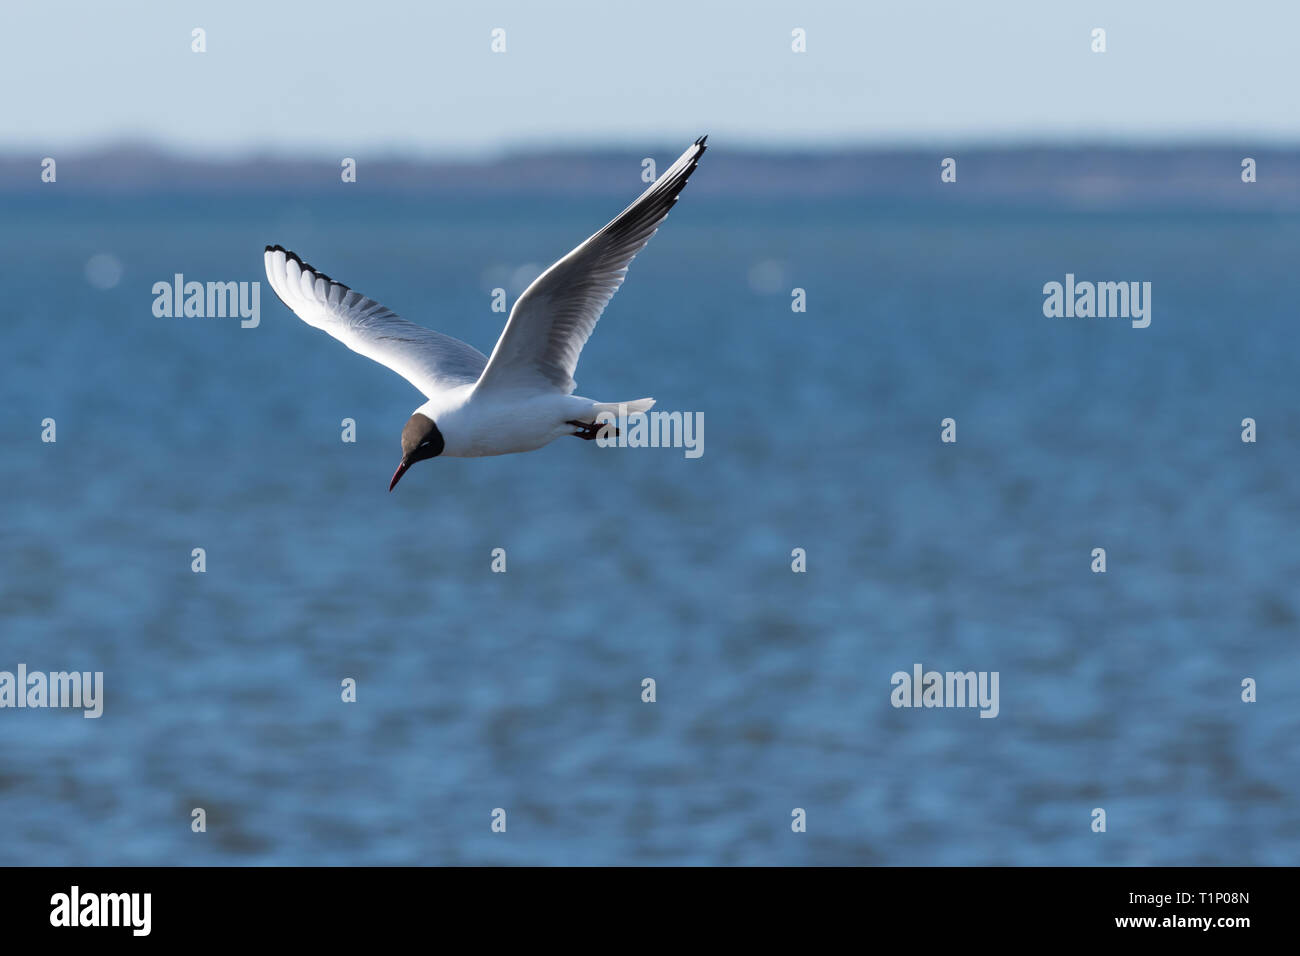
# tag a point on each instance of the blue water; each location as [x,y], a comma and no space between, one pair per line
[521,690]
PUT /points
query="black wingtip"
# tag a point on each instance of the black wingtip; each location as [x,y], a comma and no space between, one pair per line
[702,141]
[306,266]
[289,254]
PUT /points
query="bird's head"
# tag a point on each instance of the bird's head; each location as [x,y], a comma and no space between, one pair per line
[420,440]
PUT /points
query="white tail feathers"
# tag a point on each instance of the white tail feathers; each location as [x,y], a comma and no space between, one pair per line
[616,408]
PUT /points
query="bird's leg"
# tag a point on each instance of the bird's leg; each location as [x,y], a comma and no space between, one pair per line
[586,430]
[591,430]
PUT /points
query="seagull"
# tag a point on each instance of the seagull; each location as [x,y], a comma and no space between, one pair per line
[521,397]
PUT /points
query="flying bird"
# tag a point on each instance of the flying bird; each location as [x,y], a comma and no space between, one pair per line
[521,397]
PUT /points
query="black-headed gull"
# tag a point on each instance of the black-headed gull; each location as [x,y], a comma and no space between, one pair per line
[520,398]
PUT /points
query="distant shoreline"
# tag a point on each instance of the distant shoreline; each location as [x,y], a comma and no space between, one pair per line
[1086,176]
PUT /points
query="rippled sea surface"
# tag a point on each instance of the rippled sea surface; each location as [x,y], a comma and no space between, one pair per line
[478,690]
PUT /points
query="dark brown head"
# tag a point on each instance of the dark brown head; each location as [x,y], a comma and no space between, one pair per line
[420,440]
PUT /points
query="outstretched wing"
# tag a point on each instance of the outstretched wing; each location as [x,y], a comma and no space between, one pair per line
[553,319]
[429,360]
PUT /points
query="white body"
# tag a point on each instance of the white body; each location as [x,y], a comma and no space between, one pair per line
[477,424]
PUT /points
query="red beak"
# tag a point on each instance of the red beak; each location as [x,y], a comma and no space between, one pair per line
[397,475]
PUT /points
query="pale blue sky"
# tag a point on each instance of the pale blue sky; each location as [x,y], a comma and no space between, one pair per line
[342,78]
